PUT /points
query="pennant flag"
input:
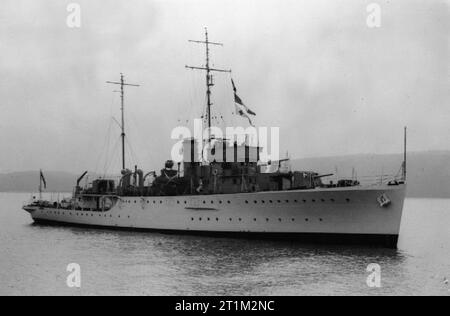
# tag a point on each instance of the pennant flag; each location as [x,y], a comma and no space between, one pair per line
[241,108]
[241,112]
[43,179]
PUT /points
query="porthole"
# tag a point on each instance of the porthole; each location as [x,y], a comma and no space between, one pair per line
[255,202]
[240,219]
[217,219]
[246,202]
[192,218]
[279,219]
[348,200]
[304,201]
[178,202]
[208,219]
[313,200]
[199,218]
[254,219]
[154,201]
[267,219]
[295,201]
[228,202]
[323,200]
[306,219]
[320,219]
[279,201]
[270,201]
[263,201]
[231,219]
[212,202]
[332,200]
[220,202]
[160,202]
[204,202]
[287,201]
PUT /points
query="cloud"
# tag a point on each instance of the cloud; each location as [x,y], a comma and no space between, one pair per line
[314,68]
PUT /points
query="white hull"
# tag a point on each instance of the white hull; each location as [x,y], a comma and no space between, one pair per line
[352,211]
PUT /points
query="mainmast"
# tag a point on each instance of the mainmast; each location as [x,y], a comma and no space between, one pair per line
[209,77]
[122,126]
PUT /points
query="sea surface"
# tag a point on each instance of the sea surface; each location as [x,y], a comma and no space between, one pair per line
[34,260]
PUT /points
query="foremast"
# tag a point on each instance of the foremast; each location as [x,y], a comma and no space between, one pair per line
[122,84]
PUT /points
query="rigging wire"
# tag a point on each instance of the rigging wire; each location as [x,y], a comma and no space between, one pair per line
[106,145]
[108,162]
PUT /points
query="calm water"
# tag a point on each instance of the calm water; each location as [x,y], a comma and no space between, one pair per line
[33,260]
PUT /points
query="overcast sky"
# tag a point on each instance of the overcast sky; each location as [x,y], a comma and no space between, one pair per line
[314,68]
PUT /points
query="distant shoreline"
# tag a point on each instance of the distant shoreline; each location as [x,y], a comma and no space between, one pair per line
[428,173]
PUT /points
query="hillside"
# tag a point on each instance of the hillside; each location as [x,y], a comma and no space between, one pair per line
[428,172]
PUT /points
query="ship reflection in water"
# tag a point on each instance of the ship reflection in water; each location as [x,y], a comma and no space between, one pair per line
[34,260]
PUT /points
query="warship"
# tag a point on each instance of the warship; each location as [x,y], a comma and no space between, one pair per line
[231,193]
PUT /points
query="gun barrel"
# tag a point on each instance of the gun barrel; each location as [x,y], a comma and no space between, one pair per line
[323,175]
